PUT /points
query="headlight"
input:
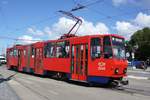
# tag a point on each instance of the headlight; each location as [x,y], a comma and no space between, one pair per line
[125,71]
[116,71]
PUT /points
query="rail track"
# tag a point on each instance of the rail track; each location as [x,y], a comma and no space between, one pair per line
[131,91]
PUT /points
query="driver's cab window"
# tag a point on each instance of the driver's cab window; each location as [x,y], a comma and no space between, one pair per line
[107,47]
[95,48]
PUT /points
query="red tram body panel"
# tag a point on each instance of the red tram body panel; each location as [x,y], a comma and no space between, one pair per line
[93,58]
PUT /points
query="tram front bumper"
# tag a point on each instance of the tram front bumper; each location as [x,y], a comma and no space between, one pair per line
[119,82]
[124,81]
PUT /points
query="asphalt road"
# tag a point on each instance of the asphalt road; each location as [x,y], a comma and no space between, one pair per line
[28,87]
[6,92]
[139,72]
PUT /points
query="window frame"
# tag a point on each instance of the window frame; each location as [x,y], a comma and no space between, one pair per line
[100,48]
[49,53]
[110,54]
[47,50]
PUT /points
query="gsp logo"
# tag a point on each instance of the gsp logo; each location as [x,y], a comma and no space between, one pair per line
[101,66]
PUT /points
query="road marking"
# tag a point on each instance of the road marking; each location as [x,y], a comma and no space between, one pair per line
[138,72]
[138,77]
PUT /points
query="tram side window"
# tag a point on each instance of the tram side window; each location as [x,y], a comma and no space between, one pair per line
[33,52]
[24,52]
[95,47]
[62,49]
[49,50]
[67,48]
[58,50]
[107,47]
[15,53]
[11,53]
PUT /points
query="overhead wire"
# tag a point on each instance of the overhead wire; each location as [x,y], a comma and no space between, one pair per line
[35,23]
[41,21]
[93,3]
[79,6]
[82,6]
[87,4]
[113,17]
[74,1]
[26,26]
[109,17]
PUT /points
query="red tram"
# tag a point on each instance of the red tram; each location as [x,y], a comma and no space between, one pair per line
[92,59]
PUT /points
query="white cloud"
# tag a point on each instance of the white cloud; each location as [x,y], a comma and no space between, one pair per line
[47,30]
[102,28]
[26,39]
[139,3]
[87,28]
[64,25]
[30,30]
[143,19]
[35,32]
[126,29]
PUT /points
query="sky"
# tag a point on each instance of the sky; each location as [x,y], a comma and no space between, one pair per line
[40,20]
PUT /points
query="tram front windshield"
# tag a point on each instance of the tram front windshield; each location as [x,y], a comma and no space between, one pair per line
[118,47]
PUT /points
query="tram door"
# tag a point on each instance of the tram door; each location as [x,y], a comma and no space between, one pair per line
[38,61]
[19,59]
[79,62]
[28,53]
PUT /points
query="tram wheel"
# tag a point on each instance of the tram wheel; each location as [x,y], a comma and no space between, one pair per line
[114,84]
[59,75]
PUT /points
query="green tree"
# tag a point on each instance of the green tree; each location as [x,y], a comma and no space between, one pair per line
[140,42]
[129,50]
